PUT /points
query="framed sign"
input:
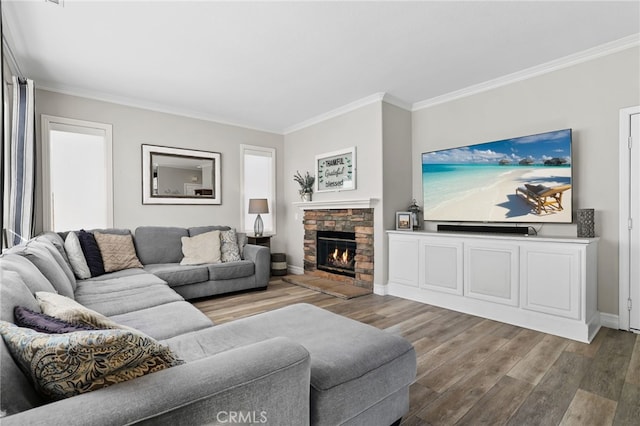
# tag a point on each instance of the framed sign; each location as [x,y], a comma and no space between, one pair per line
[336,171]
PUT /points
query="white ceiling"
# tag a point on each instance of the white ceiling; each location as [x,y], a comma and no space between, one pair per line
[274,65]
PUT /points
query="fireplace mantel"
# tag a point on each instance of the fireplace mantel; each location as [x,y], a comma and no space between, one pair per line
[336,204]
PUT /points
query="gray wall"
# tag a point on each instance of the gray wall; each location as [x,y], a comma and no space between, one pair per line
[361,128]
[133,127]
[587,98]
[396,169]
[382,135]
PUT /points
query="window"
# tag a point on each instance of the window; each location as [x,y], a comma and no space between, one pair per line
[77,183]
[258,180]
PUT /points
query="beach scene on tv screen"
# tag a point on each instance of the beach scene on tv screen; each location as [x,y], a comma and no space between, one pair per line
[524,179]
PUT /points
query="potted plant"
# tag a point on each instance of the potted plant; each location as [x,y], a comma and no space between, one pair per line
[306,185]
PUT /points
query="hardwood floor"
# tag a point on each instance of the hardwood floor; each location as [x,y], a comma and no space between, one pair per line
[474,371]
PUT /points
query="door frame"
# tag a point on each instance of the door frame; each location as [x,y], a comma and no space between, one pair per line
[50,122]
[624,267]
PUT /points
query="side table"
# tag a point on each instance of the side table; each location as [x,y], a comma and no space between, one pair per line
[264,240]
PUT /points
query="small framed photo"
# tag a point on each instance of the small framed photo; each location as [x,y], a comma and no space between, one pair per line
[403,221]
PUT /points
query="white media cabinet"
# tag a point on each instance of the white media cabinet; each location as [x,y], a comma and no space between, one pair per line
[541,283]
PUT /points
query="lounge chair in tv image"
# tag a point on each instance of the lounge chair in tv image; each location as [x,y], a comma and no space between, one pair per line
[542,198]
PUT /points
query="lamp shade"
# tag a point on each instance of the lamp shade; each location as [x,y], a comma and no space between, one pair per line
[258,205]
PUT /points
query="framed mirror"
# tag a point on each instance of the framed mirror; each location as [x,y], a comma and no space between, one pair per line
[180,176]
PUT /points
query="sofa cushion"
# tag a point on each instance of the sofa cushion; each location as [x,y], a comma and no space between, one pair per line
[117,252]
[203,248]
[175,274]
[126,294]
[117,284]
[43,323]
[64,365]
[76,256]
[159,244]
[61,260]
[165,321]
[71,311]
[226,271]
[46,263]
[29,273]
[229,250]
[113,275]
[16,393]
[13,293]
[197,230]
[242,241]
[57,242]
[91,252]
[116,231]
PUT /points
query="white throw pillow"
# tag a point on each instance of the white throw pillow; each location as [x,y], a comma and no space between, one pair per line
[203,248]
[76,256]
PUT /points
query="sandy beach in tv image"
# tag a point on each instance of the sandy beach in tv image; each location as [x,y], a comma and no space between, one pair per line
[526,179]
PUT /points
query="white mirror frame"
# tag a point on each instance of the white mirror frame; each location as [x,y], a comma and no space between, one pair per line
[147,176]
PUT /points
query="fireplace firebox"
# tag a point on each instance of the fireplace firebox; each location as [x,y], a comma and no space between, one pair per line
[336,252]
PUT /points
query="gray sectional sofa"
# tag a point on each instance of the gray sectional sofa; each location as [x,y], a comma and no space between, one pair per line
[293,366]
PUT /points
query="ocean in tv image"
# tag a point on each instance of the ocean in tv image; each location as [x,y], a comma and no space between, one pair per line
[525,179]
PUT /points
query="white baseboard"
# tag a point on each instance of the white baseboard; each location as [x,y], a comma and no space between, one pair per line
[609,320]
[295,270]
[380,289]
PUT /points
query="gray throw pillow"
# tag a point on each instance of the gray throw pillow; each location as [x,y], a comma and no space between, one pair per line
[229,250]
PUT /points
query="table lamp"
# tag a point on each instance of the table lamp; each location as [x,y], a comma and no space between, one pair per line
[258,205]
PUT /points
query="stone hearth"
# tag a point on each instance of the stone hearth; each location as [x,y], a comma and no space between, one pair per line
[359,221]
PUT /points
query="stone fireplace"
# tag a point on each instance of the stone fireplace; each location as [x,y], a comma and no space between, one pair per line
[344,230]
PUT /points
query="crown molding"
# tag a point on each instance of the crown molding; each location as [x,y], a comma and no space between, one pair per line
[151,106]
[392,100]
[377,97]
[565,62]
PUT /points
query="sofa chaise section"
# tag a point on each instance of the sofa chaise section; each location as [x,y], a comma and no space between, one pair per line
[359,374]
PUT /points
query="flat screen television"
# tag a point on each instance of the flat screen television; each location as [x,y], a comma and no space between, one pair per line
[525,179]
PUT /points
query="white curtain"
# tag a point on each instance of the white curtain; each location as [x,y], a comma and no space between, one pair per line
[19,166]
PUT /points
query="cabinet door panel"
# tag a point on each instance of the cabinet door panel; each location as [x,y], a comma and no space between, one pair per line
[491,272]
[551,280]
[442,269]
[404,260]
